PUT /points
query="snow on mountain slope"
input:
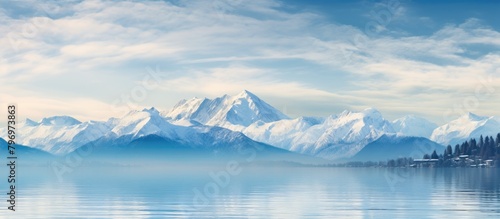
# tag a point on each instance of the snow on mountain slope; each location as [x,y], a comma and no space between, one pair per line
[234,112]
[348,133]
[59,134]
[183,111]
[59,121]
[142,123]
[204,122]
[466,127]
[336,136]
[281,133]
[413,126]
[62,135]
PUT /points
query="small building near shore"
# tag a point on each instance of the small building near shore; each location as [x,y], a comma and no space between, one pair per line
[489,163]
[425,162]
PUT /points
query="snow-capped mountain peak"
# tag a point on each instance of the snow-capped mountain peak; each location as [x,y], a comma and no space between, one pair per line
[412,125]
[473,117]
[369,116]
[245,94]
[465,127]
[372,113]
[364,115]
[152,111]
[141,123]
[29,122]
[234,112]
[246,108]
[59,121]
[59,134]
[184,109]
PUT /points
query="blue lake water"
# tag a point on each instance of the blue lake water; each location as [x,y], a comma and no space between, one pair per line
[259,193]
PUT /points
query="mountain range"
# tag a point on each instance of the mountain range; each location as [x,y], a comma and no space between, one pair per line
[230,122]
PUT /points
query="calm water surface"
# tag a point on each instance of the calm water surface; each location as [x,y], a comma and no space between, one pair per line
[260,193]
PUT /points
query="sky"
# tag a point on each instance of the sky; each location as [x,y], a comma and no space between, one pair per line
[96,59]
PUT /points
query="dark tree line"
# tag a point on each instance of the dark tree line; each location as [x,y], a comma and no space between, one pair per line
[487,148]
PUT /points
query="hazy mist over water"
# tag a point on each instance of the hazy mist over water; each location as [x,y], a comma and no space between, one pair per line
[257,192]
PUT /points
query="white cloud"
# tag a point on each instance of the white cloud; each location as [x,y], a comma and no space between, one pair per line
[227,47]
[35,106]
[231,80]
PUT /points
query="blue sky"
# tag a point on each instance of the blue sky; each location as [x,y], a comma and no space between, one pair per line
[97,59]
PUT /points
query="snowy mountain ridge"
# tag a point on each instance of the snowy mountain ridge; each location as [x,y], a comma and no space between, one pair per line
[191,121]
[467,126]
[336,136]
[234,112]
[414,126]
